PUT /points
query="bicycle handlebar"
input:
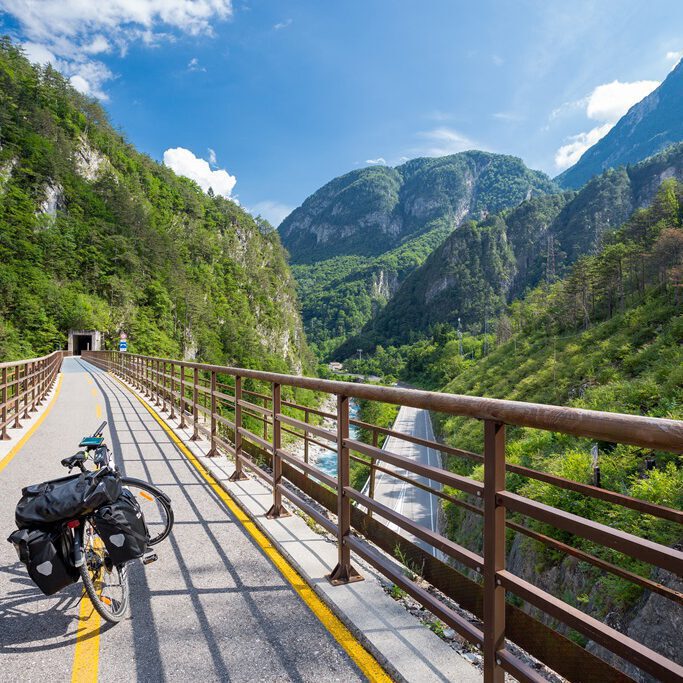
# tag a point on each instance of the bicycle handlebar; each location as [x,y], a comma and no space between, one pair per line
[100,429]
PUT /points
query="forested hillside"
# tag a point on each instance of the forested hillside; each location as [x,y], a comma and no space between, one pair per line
[608,336]
[484,265]
[94,235]
[648,127]
[356,239]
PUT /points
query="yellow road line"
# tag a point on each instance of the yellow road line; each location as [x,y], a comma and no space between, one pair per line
[85,667]
[20,444]
[363,659]
[89,380]
[87,652]
[93,391]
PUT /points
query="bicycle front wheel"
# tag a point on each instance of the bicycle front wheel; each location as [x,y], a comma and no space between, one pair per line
[155,506]
[106,584]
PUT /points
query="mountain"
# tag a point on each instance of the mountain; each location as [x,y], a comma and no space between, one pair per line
[648,127]
[94,235]
[605,337]
[356,239]
[483,265]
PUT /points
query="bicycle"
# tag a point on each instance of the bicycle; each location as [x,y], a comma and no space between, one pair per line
[106,583]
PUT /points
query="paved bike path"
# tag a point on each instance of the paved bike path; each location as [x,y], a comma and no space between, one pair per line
[211,608]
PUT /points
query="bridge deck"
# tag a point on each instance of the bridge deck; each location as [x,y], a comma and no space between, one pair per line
[213,607]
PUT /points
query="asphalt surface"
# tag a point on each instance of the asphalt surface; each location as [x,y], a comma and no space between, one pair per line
[212,608]
[412,502]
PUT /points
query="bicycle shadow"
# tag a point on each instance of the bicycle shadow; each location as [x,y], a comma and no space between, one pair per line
[33,622]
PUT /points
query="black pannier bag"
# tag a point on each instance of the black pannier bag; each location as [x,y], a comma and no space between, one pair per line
[121,525]
[47,554]
[62,499]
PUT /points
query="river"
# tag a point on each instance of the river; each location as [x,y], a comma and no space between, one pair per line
[326,458]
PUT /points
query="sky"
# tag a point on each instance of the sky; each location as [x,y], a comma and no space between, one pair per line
[266,101]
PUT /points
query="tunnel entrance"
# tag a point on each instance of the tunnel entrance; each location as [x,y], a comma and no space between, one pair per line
[84,340]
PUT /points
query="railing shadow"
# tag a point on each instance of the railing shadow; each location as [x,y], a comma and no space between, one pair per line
[128,416]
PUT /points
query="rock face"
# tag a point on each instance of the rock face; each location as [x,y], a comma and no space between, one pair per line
[356,239]
[648,127]
[90,163]
[373,210]
[53,201]
[656,622]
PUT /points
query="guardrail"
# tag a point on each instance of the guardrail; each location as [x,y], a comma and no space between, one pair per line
[23,387]
[214,400]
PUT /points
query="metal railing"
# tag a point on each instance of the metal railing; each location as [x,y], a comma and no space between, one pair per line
[23,387]
[214,400]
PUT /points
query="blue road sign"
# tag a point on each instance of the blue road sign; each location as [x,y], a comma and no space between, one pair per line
[123,345]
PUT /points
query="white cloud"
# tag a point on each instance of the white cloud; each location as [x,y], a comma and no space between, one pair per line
[273,212]
[194,65]
[674,56]
[212,156]
[39,54]
[283,24]
[569,154]
[378,160]
[185,163]
[97,45]
[67,33]
[508,116]
[442,141]
[607,103]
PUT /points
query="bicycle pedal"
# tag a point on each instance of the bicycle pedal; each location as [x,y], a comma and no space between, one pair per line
[149,557]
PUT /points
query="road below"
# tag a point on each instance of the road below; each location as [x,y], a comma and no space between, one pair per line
[416,504]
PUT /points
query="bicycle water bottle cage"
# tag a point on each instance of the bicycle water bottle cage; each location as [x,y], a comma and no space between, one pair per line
[91,442]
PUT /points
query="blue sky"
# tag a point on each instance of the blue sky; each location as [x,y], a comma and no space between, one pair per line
[269,100]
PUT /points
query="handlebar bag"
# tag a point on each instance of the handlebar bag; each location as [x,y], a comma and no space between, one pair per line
[121,525]
[66,498]
[47,554]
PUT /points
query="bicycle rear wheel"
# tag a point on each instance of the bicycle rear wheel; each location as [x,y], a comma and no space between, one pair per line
[155,506]
[106,584]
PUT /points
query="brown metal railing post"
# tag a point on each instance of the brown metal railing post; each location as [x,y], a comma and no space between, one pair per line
[40,388]
[212,451]
[494,550]
[163,386]
[373,472]
[306,419]
[157,383]
[31,384]
[4,436]
[171,395]
[17,400]
[277,509]
[238,474]
[195,404]
[343,572]
[26,416]
[181,405]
